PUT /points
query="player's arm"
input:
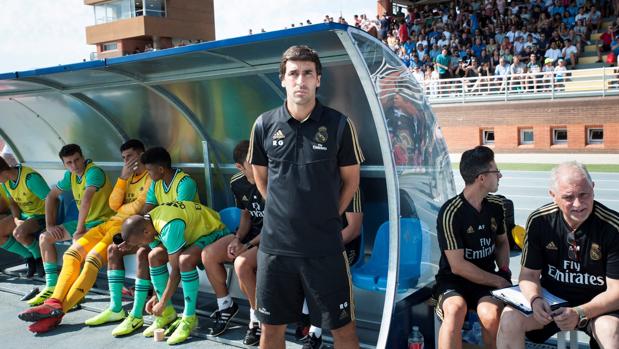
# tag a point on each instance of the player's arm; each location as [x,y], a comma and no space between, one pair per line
[14,208]
[257,157]
[118,194]
[187,189]
[84,208]
[531,270]
[354,217]
[261,179]
[51,205]
[502,252]
[136,206]
[471,272]
[151,199]
[350,183]
[349,159]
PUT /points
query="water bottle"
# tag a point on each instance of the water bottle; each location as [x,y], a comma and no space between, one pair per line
[415,339]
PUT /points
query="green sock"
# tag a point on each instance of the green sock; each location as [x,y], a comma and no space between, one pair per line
[13,246]
[139,299]
[116,280]
[190,282]
[159,276]
[51,274]
[34,249]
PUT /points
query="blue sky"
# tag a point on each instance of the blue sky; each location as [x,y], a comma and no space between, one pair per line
[42,33]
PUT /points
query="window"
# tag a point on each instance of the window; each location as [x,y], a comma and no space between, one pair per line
[154,8]
[110,46]
[559,136]
[487,136]
[595,135]
[526,136]
[113,10]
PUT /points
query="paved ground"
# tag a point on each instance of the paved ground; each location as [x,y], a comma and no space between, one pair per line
[73,334]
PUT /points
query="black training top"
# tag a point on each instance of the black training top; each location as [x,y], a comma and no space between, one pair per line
[301,217]
[247,197]
[580,276]
[460,226]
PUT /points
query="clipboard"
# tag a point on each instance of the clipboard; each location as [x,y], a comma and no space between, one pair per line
[513,297]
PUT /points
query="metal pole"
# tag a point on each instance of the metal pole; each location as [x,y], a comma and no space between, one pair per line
[207,175]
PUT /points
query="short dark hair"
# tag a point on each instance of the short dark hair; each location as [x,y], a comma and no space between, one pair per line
[157,156]
[69,150]
[239,154]
[474,162]
[299,53]
[133,144]
[4,166]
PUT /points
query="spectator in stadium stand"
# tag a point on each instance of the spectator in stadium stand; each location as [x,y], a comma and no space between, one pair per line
[560,73]
[434,52]
[595,19]
[415,62]
[418,74]
[534,69]
[553,52]
[384,27]
[606,40]
[516,71]
[409,46]
[442,64]
[519,45]
[472,72]
[570,54]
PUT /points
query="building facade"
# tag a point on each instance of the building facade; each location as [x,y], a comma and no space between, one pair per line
[562,125]
[125,27]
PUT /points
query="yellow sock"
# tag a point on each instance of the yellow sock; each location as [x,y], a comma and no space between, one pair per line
[71,261]
[84,283]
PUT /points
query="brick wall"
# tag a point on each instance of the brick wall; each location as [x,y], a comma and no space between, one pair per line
[462,124]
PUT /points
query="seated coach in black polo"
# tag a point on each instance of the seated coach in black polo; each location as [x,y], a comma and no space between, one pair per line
[572,250]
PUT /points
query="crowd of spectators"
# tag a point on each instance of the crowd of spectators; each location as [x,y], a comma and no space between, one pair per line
[482,38]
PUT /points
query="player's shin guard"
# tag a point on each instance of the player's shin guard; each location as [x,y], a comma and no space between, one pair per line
[141,293]
[159,276]
[34,249]
[71,261]
[84,282]
[51,274]
[190,282]
[116,280]
[14,246]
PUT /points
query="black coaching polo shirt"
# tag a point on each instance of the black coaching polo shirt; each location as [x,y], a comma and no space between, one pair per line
[461,226]
[301,217]
[580,278]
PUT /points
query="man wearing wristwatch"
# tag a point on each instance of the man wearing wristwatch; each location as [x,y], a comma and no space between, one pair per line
[572,250]
[238,248]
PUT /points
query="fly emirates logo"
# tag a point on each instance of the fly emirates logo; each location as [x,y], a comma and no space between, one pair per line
[487,249]
[570,274]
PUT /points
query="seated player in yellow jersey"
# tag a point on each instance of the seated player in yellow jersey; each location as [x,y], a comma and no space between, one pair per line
[168,184]
[23,191]
[181,230]
[127,198]
[91,189]
[238,248]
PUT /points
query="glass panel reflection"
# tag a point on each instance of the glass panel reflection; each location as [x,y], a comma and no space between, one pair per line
[419,150]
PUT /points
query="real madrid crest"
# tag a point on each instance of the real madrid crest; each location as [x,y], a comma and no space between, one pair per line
[321,136]
[595,252]
[493,225]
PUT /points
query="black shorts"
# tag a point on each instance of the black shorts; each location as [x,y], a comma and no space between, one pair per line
[447,286]
[542,335]
[282,283]
[445,75]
